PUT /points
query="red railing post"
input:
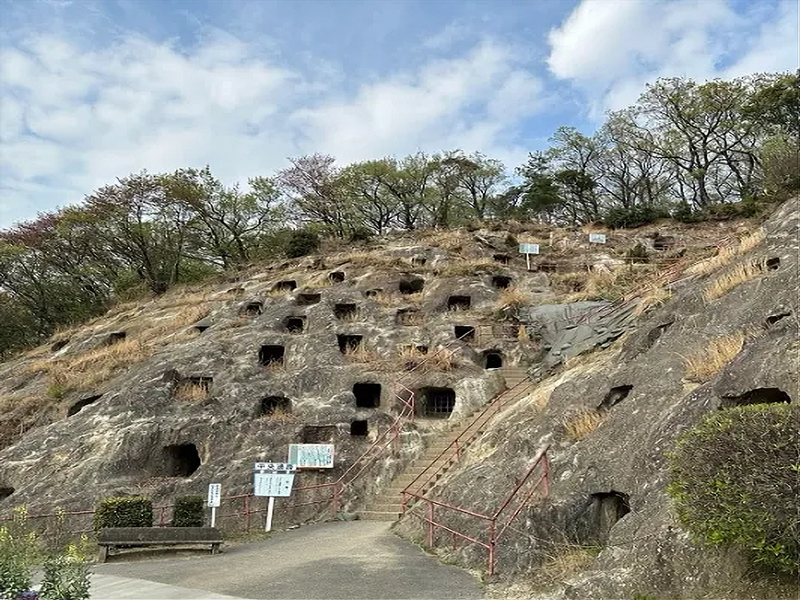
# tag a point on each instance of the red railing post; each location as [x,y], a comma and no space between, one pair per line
[247,513]
[429,537]
[492,542]
[336,498]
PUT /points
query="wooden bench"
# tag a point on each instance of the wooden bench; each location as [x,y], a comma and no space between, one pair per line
[113,537]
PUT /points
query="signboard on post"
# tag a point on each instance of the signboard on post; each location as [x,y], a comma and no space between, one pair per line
[597,238]
[272,480]
[311,456]
[214,496]
[527,250]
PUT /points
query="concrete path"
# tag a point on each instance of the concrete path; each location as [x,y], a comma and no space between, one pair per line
[344,560]
[110,587]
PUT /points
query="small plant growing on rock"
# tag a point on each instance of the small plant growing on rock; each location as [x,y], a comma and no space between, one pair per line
[513,298]
[734,482]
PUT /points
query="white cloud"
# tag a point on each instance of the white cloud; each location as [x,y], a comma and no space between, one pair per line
[72,119]
[610,49]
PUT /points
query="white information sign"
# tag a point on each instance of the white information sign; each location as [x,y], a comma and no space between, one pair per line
[311,456]
[273,479]
[275,485]
[529,248]
[597,238]
[214,494]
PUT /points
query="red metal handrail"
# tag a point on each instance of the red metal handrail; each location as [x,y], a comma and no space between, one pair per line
[542,483]
[470,432]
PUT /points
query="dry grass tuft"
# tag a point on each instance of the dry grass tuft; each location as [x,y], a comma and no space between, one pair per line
[523,335]
[191,391]
[468,267]
[707,362]
[726,254]
[360,354]
[447,239]
[387,298]
[279,415]
[653,296]
[580,424]
[738,275]
[513,297]
[567,562]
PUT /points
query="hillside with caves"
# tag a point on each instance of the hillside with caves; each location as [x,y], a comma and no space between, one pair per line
[623,406]
[163,396]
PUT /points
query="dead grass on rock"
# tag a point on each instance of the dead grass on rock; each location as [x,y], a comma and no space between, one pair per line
[739,274]
[563,563]
[711,359]
[580,424]
[726,254]
[513,297]
[191,391]
[461,268]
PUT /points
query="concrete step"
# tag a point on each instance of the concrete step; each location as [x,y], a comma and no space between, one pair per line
[365,515]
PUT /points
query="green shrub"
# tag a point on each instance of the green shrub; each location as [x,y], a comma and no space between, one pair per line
[301,243]
[735,480]
[189,512]
[632,217]
[125,511]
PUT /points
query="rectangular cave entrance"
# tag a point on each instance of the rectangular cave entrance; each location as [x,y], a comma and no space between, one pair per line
[307,299]
[336,277]
[368,394]
[294,324]
[285,286]
[614,396]
[5,492]
[271,356]
[179,460]
[493,359]
[58,345]
[503,259]
[418,261]
[501,282]
[274,405]
[373,293]
[345,312]
[413,285]
[252,309]
[435,402]
[359,428]
[608,508]
[318,434]
[409,316]
[465,333]
[192,389]
[349,342]
[82,403]
[459,303]
[115,337]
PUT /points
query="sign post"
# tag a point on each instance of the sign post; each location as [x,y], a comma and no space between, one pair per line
[272,480]
[527,250]
[597,238]
[214,494]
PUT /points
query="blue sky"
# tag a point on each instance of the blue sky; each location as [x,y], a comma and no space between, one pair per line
[91,90]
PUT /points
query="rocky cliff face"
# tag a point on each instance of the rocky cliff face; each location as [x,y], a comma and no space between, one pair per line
[728,336]
[164,397]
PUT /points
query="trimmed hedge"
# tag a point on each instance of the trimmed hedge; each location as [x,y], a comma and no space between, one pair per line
[124,511]
[735,481]
[189,511]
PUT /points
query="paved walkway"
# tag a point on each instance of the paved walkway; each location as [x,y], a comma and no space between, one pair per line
[350,560]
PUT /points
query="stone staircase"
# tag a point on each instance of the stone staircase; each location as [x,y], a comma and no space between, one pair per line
[386,506]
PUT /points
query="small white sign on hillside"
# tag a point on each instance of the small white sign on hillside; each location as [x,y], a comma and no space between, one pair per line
[597,238]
